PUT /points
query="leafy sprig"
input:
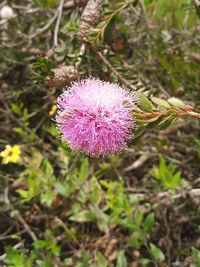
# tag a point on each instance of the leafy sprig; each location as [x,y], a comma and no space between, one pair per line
[156,112]
[97,34]
[42,67]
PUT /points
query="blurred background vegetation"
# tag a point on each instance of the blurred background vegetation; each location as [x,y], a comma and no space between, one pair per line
[60,208]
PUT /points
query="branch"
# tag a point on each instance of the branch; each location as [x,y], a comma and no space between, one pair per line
[46,26]
[98,32]
[138,163]
[115,72]
[60,8]
[19,217]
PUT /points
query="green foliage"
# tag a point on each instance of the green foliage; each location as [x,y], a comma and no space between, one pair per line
[14,258]
[144,102]
[40,256]
[121,259]
[60,52]
[27,134]
[157,112]
[98,33]
[102,260]
[49,244]
[42,67]
[68,50]
[157,253]
[149,223]
[40,178]
[175,102]
[166,174]
[169,13]
[46,3]
[196,257]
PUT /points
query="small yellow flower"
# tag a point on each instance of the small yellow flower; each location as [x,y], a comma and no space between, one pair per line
[11,154]
[53,110]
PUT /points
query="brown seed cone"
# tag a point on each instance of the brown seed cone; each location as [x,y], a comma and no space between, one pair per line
[62,76]
[89,19]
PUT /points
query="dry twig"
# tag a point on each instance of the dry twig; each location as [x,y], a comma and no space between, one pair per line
[115,72]
[138,163]
[18,216]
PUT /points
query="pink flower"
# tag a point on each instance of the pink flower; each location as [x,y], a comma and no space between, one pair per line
[95,117]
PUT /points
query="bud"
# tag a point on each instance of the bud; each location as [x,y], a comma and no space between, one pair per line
[6,12]
[89,19]
[62,76]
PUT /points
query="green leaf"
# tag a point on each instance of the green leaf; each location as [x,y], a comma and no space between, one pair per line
[59,58]
[101,218]
[96,193]
[14,257]
[53,131]
[61,189]
[144,102]
[175,102]
[68,261]
[102,262]
[160,102]
[83,174]
[157,253]
[168,123]
[135,241]
[47,198]
[43,263]
[144,261]
[23,193]
[42,66]
[139,130]
[139,215]
[60,49]
[148,121]
[27,137]
[196,256]
[85,258]
[83,216]
[121,259]
[47,168]
[149,223]
[166,174]
[16,109]
[155,123]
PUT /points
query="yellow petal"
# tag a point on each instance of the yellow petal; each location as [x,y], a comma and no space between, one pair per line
[15,158]
[8,147]
[5,160]
[16,150]
[4,153]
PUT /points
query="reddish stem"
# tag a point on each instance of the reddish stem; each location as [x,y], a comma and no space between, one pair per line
[178,113]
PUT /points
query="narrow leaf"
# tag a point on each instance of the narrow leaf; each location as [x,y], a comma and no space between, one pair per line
[144,102]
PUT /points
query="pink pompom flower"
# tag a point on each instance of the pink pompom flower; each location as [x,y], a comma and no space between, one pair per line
[95,117]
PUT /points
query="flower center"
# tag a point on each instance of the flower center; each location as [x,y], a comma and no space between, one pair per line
[10,153]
